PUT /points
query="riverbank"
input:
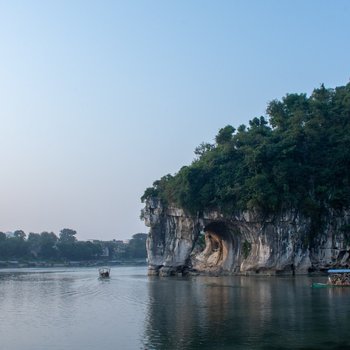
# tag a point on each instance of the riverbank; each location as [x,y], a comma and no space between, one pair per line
[41,263]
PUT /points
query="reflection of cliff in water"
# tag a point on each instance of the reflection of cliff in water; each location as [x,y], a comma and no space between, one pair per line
[241,313]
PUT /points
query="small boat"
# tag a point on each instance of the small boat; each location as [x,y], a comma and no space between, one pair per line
[336,278]
[104,272]
[339,277]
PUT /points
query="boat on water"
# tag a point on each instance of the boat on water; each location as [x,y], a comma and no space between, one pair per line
[336,278]
[104,272]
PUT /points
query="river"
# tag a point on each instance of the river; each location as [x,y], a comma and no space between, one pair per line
[72,309]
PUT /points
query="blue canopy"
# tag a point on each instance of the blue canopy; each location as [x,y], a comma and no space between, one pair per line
[339,271]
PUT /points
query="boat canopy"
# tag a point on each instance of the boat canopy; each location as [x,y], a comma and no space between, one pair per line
[339,271]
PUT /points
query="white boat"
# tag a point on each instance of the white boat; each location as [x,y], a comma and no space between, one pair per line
[104,272]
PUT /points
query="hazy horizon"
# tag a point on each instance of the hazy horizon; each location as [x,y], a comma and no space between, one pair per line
[98,100]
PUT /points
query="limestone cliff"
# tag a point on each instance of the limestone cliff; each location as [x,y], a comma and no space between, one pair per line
[244,242]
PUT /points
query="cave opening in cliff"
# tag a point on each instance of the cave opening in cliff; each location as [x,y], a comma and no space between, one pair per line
[218,228]
[217,242]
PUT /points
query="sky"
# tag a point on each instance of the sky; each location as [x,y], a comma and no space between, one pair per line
[98,99]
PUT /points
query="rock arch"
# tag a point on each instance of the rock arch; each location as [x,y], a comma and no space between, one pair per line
[217,253]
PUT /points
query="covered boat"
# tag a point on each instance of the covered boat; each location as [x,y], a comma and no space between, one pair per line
[104,272]
[339,277]
[336,278]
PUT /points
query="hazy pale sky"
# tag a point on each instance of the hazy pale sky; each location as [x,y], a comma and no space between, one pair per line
[100,98]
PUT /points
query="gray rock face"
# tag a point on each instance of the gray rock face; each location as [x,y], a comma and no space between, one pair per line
[243,242]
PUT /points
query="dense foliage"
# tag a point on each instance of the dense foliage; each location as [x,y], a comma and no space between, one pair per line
[298,156]
[47,246]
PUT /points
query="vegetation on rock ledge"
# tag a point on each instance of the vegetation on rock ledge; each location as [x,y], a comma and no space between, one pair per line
[295,157]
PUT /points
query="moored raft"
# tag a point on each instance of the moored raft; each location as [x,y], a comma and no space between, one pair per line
[339,277]
[336,278]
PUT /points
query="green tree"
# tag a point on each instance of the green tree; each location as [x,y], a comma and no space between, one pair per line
[67,236]
[48,245]
[137,246]
[19,234]
[34,243]
[203,148]
[2,236]
[225,135]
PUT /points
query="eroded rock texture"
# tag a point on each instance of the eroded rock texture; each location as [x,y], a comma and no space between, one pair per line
[244,242]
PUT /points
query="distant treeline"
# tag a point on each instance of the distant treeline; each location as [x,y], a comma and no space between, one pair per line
[298,156]
[47,246]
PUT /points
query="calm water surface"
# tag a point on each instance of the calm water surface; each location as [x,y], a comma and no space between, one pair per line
[72,309]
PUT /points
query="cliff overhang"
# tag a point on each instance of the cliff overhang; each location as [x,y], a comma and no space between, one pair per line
[243,242]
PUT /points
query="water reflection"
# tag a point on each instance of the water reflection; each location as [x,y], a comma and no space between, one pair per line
[71,309]
[245,313]
[74,310]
